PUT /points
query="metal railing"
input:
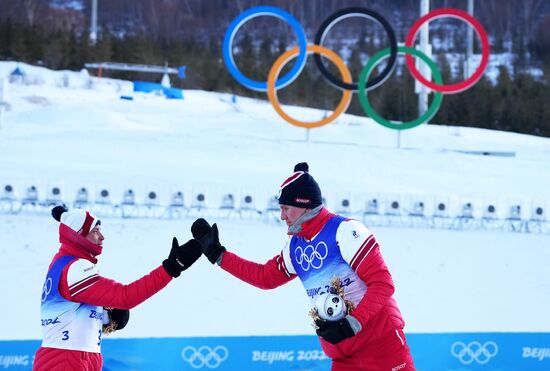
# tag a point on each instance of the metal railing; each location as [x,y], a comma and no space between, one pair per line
[385,211]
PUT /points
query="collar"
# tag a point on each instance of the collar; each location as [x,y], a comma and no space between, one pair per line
[312,227]
[75,245]
[296,228]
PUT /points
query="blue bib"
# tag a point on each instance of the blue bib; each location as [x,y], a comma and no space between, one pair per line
[67,324]
[317,261]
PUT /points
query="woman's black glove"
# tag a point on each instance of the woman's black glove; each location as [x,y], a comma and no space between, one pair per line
[118,318]
[181,257]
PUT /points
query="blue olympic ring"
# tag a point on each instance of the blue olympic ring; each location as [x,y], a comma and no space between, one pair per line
[256,12]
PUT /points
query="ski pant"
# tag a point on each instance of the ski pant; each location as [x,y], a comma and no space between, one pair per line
[396,356]
[52,359]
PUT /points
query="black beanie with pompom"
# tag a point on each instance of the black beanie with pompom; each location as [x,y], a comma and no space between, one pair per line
[300,189]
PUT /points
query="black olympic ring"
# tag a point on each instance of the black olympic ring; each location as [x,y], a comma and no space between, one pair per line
[361,12]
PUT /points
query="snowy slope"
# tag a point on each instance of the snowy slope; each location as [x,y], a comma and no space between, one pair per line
[60,131]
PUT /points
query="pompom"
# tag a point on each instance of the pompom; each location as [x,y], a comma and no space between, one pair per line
[302,166]
[57,211]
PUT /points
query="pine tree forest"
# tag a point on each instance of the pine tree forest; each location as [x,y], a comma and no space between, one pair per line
[190,33]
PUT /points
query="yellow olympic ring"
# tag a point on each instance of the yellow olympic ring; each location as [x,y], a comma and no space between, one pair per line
[285,58]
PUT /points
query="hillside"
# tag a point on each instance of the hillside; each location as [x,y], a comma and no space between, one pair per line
[77,134]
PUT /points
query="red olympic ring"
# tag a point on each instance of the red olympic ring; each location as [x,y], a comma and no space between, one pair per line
[454,13]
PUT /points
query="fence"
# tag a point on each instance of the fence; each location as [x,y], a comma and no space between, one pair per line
[380,209]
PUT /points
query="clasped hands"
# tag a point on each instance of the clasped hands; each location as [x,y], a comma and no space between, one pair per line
[208,238]
[205,241]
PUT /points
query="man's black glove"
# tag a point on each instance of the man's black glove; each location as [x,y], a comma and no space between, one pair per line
[181,257]
[118,318]
[208,238]
[336,331]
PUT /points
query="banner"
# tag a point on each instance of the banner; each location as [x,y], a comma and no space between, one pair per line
[431,352]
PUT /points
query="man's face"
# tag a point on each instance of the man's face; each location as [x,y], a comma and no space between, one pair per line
[291,213]
[95,236]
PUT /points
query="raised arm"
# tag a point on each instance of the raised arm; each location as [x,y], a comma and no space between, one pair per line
[266,276]
[81,282]
[272,274]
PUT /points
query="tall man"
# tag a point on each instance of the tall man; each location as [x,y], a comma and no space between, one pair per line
[324,246]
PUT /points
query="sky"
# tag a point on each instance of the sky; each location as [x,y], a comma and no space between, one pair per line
[69,130]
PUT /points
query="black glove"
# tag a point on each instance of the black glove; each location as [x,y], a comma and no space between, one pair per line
[181,257]
[336,331]
[208,238]
[118,318]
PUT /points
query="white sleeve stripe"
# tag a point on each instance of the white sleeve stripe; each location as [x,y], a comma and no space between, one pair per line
[282,266]
[82,281]
[87,284]
[359,251]
[283,269]
[84,288]
[287,262]
[399,336]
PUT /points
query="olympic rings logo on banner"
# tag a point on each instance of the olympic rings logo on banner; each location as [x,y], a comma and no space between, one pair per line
[474,351]
[363,86]
[46,289]
[204,356]
[310,257]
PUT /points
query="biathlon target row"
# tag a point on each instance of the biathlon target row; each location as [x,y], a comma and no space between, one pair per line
[345,82]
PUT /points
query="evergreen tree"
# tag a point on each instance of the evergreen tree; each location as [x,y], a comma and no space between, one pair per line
[16,43]
[54,52]
[515,101]
[35,42]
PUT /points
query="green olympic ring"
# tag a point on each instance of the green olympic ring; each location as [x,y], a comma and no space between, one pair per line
[362,92]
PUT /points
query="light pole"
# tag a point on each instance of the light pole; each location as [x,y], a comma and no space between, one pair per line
[93,23]
[425,48]
[470,41]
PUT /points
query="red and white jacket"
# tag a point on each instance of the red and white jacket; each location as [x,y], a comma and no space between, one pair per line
[377,311]
[80,282]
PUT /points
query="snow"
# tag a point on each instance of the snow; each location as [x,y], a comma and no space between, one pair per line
[61,130]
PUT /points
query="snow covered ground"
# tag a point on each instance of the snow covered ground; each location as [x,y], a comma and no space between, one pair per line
[61,131]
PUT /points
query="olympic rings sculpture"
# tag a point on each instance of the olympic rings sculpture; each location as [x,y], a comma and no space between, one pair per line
[310,257]
[474,351]
[204,356]
[274,82]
